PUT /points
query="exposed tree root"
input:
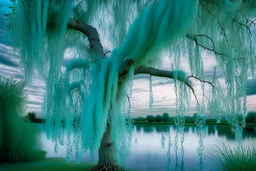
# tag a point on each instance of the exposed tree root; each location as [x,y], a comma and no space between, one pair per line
[103,167]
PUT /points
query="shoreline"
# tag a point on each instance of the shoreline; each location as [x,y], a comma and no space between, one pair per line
[224,123]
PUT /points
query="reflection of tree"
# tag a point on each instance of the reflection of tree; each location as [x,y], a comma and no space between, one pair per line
[186,128]
[193,129]
[148,129]
[225,131]
[138,128]
[211,130]
[249,132]
[162,128]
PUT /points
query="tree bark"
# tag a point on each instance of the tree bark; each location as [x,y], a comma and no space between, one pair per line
[91,33]
[107,154]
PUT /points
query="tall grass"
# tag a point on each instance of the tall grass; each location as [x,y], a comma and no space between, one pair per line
[241,158]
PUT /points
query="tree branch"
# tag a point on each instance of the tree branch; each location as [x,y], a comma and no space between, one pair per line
[176,75]
[91,33]
[203,46]
[179,75]
[203,81]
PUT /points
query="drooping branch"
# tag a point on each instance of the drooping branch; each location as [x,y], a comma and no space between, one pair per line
[203,46]
[176,75]
[203,81]
[223,32]
[91,33]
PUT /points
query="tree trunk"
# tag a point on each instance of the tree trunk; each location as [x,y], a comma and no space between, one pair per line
[107,154]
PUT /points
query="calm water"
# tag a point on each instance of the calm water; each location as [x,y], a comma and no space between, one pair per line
[150,146]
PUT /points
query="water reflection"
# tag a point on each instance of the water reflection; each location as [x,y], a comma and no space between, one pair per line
[211,130]
[220,130]
[150,146]
[148,129]
[149,153]
[162,128]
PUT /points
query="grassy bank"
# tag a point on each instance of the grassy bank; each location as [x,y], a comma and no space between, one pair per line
[49,164]
[234,159]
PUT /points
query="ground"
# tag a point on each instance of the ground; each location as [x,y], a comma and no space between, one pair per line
[49,164]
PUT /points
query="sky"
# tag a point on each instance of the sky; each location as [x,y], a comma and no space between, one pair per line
[163,89]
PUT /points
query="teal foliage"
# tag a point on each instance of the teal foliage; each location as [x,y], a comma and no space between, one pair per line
[36,23]
[18,140]
[150,118]
[239,117]
[158,118]
[165,117]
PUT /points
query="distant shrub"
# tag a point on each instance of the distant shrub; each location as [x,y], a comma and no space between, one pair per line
[251,116]
[171,119]
[189,119]
[31,116]
[159,118]
[194,116]
[140,119]
[150,118]
[165,117]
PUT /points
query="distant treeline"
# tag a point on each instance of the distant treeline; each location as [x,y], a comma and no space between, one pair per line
[251,118]
[163,118]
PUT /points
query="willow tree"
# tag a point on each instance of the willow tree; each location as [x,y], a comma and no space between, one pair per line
[108,42]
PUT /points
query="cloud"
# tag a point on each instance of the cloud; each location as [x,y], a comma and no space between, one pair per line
[6,61]
[8,56]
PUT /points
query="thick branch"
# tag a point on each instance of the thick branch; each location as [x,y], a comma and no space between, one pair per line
[91,33]
[176,75]
[179,75]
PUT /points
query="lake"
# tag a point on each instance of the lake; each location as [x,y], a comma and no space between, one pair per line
[150,146]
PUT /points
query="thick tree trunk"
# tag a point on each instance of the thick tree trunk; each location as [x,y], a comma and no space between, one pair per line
[107,154]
